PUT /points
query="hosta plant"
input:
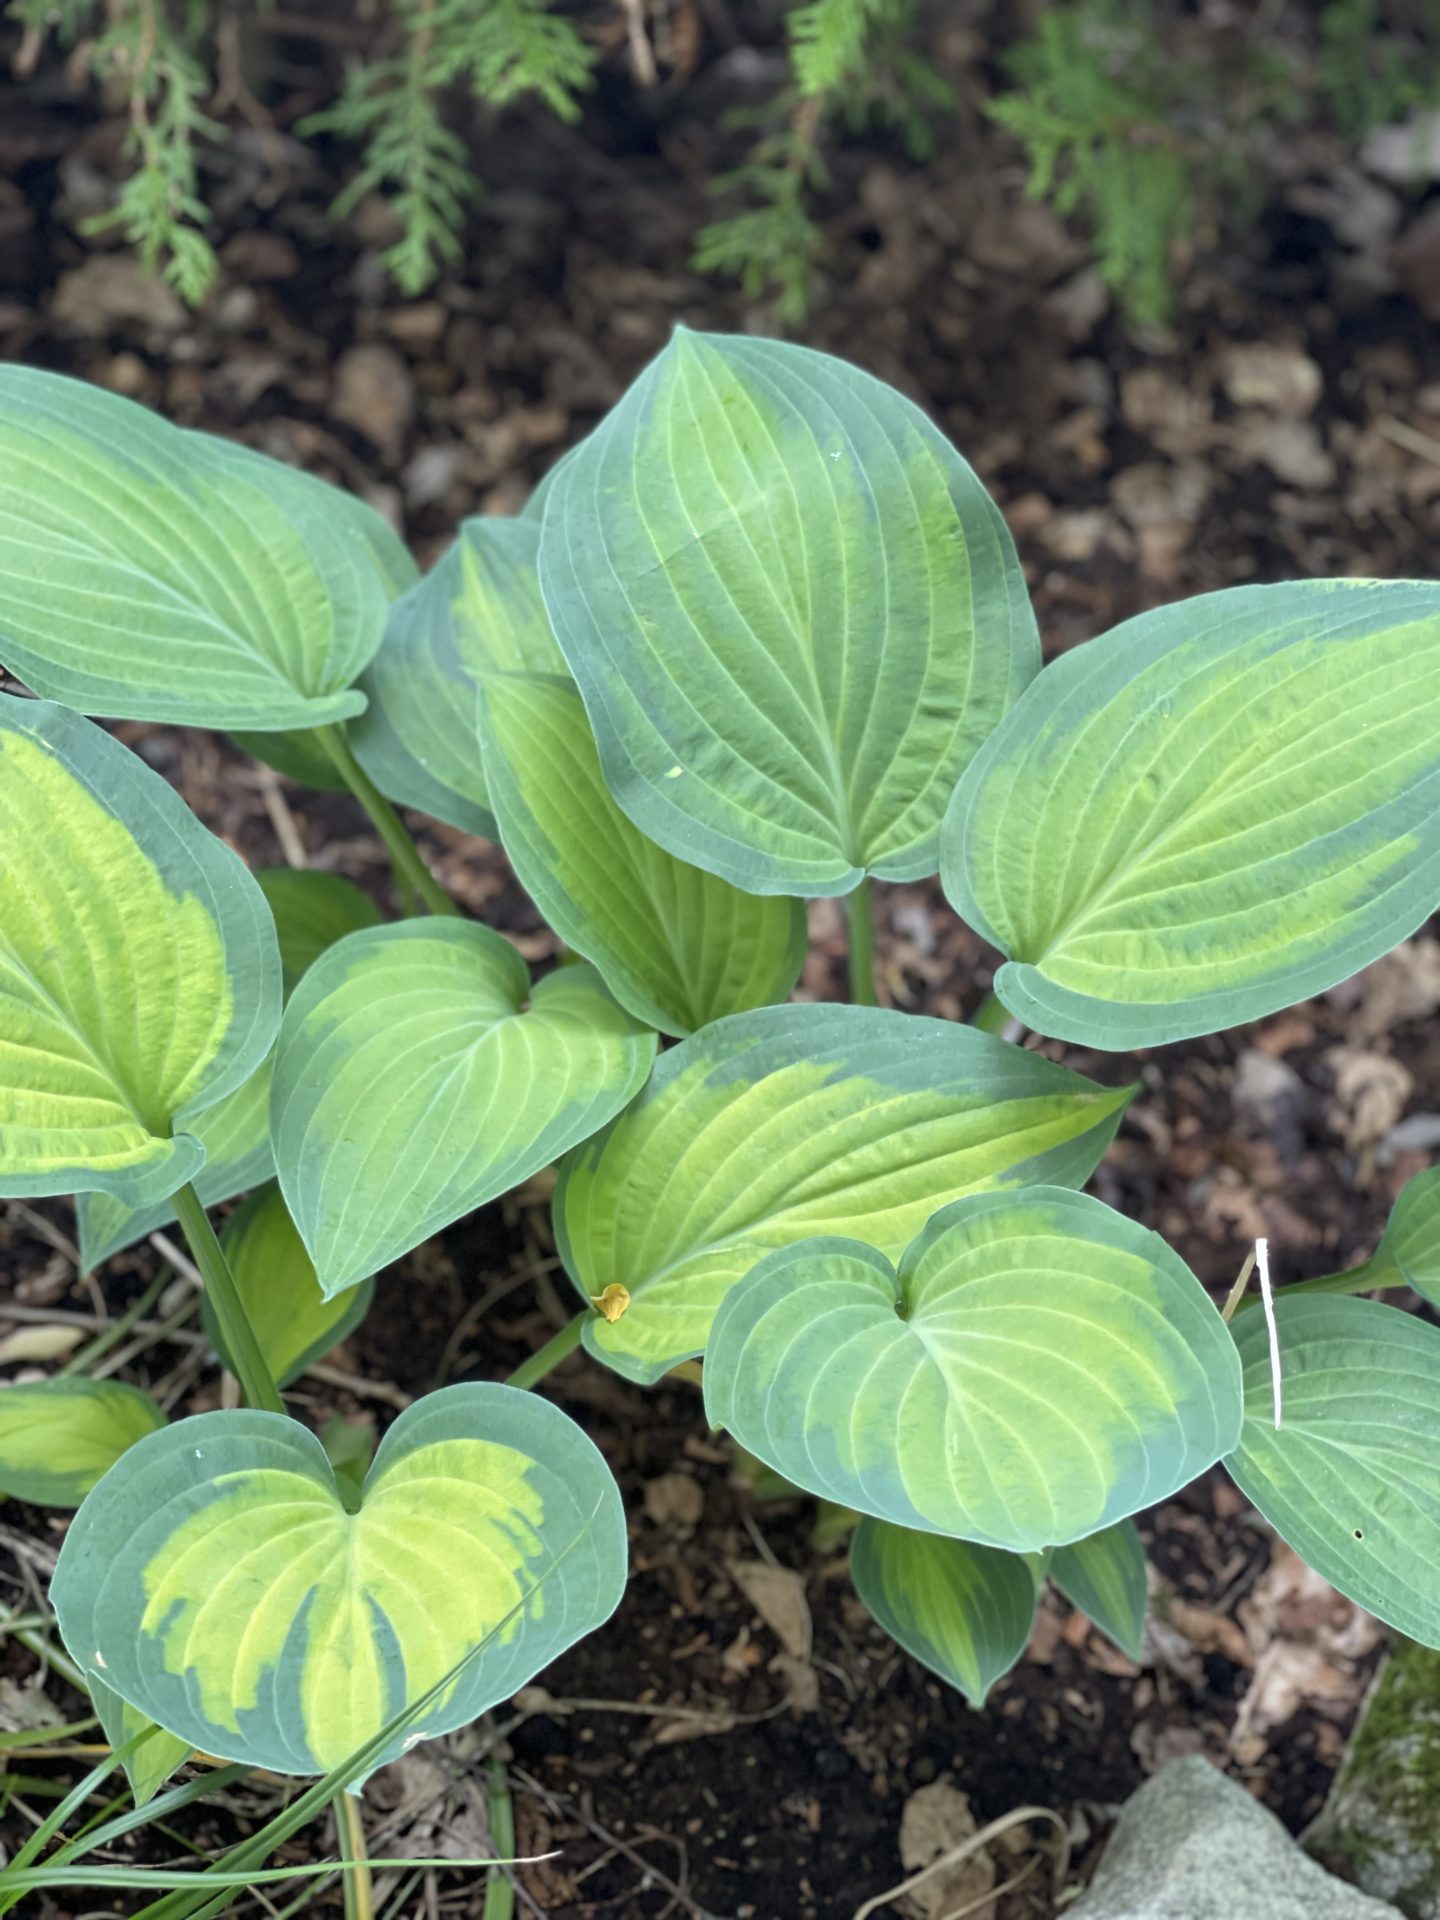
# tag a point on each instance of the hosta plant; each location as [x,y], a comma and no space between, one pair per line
[762,636]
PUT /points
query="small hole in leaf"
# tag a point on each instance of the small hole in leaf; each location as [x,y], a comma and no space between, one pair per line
[1358,1534]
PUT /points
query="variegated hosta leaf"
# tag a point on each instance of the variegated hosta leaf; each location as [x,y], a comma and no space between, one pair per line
[1217,809]
[293,1321]
[1106,1577]
[792,609]
[139,977]
[217,1583]
[1351,1478]
[312,911]
[152,574]
[964,1610]
[58,1436]
[771,1126]
[418,1075]
[480,611]
[1038,1368]
[677,946]
[152,1763]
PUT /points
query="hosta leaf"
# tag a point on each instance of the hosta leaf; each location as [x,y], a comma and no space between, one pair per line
[217,1582]
[677,946]
[298,755]
[139,977]
[152,1764]
[418,1076]
[792,609]
[312,911]
[1409,1250]
[152,574]
[964,1610]
[236,1138]
[771,1126]
[58,1436]
[293,1321]
[1352,1476]
[1038,1368]
[1106,1577]
[1217,809]
[479,611]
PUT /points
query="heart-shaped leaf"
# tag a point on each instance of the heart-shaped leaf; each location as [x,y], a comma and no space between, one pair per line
[478,612]
[1351,1478]
[1038,1368]
[217,1583]
[1217,809]
[418,1076]
[58,1436]
[293,1321]
[139,976]
[252,594]
[312,911]
[1106,1577]
[677,946]
[792,609]
[965,1611]
[153,1762]
[771,1126]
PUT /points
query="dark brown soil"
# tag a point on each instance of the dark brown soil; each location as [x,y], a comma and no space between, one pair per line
[680,1761]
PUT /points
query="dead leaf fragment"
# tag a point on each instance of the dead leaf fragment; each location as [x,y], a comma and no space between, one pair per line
[936,1819]
[675,1500]
[778,1595]
[1371,1092]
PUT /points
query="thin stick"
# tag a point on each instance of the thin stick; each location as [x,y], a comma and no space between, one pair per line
[1262,1255]
[1236,1293]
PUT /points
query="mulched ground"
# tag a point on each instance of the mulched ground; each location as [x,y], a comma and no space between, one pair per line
[740,1741]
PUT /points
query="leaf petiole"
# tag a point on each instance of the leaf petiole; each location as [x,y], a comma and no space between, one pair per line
[860,925]
[410,869]
[251,1369]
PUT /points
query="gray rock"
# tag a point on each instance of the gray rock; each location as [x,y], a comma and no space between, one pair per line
[1191,1845]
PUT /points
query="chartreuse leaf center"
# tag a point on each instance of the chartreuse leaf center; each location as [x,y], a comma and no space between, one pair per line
[217,1583]
[771,1126]
[1058,1368]
[139,978]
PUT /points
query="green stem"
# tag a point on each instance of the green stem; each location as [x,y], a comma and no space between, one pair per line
[410,869]
[97,1348]
[499,1890]
[532,1371]
[991,1016]
[253,1374]
[359,1888]
[1358,1280]
[860,924]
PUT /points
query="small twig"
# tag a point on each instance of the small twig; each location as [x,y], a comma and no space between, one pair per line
[281,818]
[1424,445]
[46,1229]
[1237,1292]
[1022,1816]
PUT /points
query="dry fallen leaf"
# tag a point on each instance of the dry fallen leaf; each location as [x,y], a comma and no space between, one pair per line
[1371,1090]
[936,1819]
[675,1500]
[778,1596]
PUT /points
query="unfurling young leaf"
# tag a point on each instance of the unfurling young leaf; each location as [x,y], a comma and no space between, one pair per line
[771,1126]
[1351,1478]
[151,574]
[478,612]
[1106,1577]
[311,911]
[1219,808]
[216,1581]
[419,1075]
[677,946]
[293,1321]
[793,611]
[139,974]
[1037,1368]
[965,1611]
[57,1437]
